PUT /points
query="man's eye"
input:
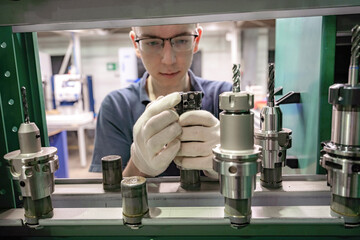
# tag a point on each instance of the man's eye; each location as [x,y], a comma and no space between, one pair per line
[181,41]
[152,43]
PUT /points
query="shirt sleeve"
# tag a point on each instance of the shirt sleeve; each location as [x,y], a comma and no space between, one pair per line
[112,136]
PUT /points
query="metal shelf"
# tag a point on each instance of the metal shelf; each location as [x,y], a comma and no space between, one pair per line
[39,15]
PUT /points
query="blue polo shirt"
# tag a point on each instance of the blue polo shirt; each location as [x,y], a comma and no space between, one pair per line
[121,109]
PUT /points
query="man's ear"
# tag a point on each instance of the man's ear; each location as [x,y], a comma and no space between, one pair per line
[199,30]
[132,36]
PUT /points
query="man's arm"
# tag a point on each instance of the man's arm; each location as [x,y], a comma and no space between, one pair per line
[113,135]
[132,170]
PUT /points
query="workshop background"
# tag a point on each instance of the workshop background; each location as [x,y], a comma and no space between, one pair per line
[105,53]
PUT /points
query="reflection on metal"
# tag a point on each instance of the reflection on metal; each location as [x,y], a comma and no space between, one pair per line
[341,155]
[161,215]
[166,192]
[83,208]
[181,221]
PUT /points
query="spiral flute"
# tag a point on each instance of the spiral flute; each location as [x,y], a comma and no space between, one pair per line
[271,83]
[25,105]
[236,77]
[355,53]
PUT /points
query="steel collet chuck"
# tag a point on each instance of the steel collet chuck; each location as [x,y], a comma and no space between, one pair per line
[341,156]
[34,167]
[273,139]
[236,158]
[189,178]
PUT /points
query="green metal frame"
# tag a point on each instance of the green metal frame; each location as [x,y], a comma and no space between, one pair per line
[327,71]
[40,15]
[19,67]
[190,231]
[304,62]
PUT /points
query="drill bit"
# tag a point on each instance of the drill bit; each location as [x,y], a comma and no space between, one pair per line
[271,84]
[25,105]
[355,53]
[236,77]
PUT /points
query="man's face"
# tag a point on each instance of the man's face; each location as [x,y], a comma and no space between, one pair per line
[167,67]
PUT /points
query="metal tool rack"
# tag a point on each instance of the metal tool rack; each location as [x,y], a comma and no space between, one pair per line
[19,22]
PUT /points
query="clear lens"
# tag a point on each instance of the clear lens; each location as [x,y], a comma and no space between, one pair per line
[182,43]
[151,44]
[155,45]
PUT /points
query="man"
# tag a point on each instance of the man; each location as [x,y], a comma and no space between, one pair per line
[149,138]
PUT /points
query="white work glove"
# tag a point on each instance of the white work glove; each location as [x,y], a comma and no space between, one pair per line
[200,133]
[155,136]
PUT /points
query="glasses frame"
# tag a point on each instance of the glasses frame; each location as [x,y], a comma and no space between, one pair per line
[165,39]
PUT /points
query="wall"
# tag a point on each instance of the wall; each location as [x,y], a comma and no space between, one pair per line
[255,57]
[46,73]
[300,65]
[216,57]
[97,51]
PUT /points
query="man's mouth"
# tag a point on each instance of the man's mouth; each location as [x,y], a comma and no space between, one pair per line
[169,74]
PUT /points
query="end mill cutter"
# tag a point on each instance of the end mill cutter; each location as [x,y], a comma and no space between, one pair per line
[34,166]
[341,155]
[273,139]
[236,158]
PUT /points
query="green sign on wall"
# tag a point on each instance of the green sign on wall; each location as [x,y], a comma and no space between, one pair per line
[111,66]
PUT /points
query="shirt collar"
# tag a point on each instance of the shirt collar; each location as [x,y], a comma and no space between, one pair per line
[194,82]
[144,97]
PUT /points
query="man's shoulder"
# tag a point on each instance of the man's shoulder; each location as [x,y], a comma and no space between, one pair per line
[123,96]
[128,94]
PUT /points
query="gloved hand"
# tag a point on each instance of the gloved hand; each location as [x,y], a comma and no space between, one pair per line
[155,136]
[200,133]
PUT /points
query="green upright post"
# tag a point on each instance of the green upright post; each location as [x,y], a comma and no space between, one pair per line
[19,66]
[27,60]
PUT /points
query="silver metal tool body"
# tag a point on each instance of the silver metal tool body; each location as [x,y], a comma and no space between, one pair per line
[236,158]
[189,179]
[134,200]
[341,156]
[111,172]
[34,166]
[273,138]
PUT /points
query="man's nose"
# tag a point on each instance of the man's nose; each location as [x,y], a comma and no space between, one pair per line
[168,54]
